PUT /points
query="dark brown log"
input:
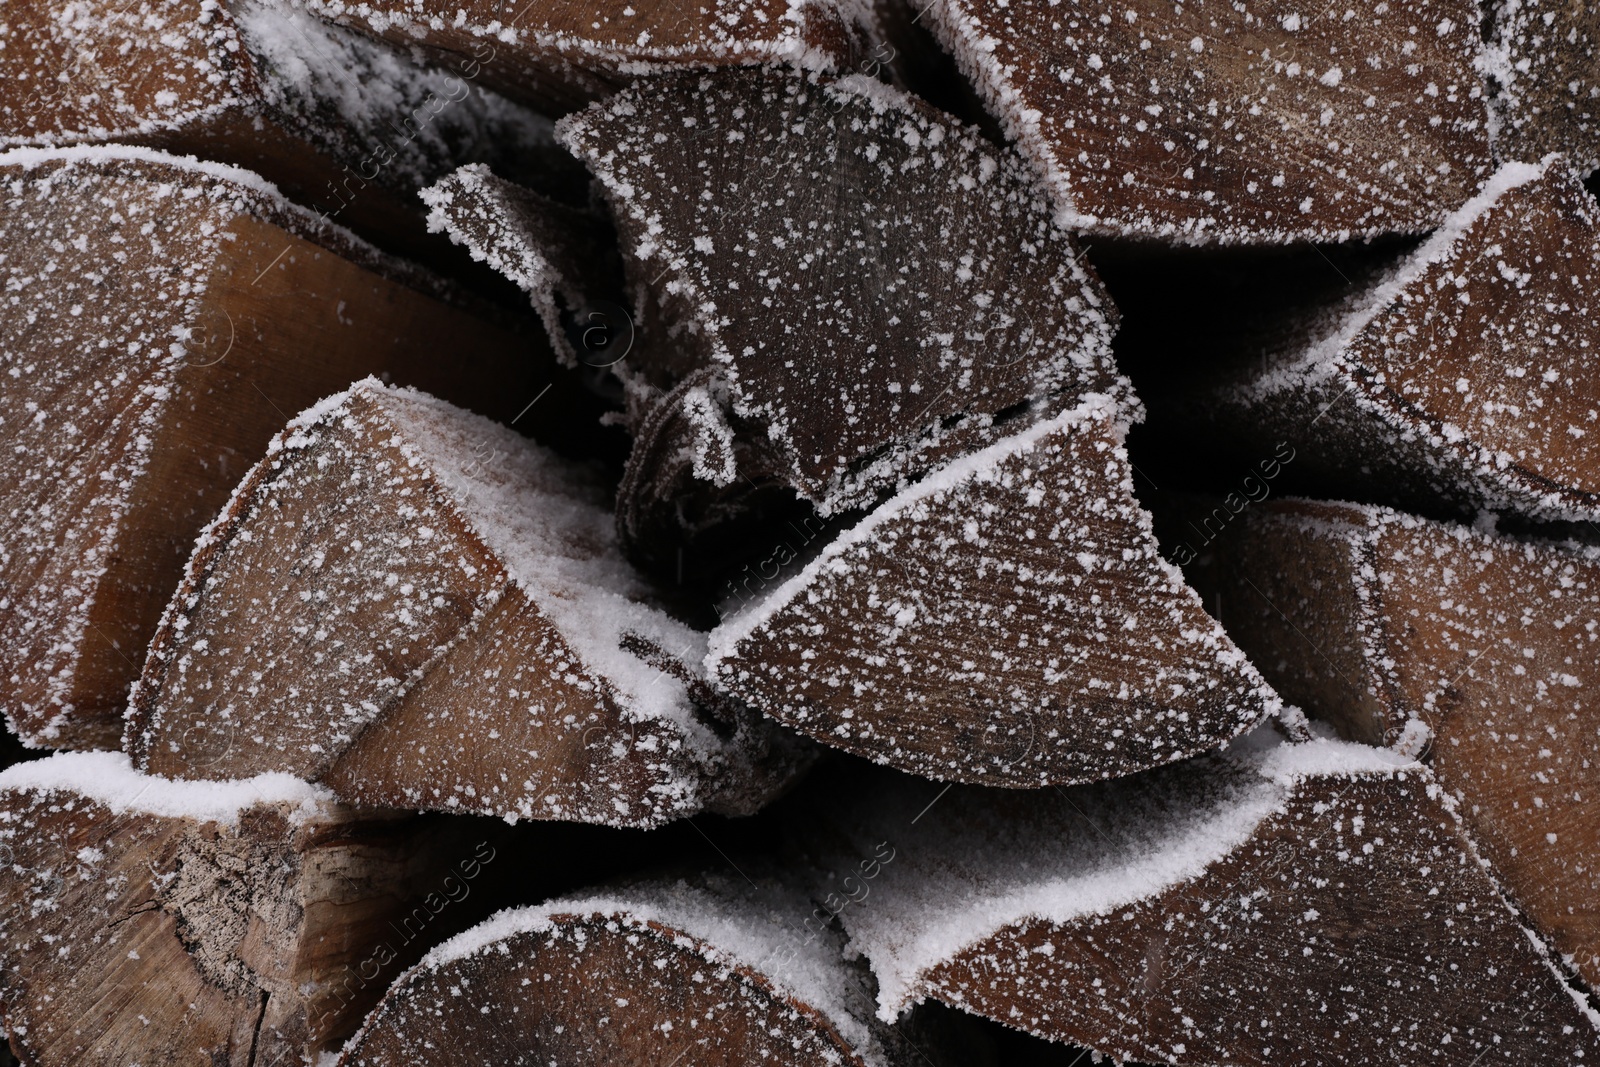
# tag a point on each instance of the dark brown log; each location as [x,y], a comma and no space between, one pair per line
[163,923]
[1475,647]
[826,339]
[1217,122]
[1283,905]
[449,626]
[161,319]
[561,56]
[1462,379]
[1006,621]
[1547,76]
[712,970]
[336,120]
[563,258]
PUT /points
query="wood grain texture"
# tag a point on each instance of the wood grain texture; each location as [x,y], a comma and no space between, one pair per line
[1006,622]
[168,339]
[1459,380]
[340,123]
[1486,642]
[1547,70]
[1222,912]
[1231,123]
[561,55]
[518,672]
[160,939]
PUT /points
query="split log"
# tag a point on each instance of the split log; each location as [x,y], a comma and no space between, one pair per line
[1006,621]
[563,258]
[434,581]
[160,318]
[334,119]
[1282,905]
[1546,70]
[1226,123]
[712,971]
[1404,632]
[1462,379]
[559,57]
[828,340]
[161,923]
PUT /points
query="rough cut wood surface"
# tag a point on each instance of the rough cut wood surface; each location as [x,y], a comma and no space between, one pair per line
[162,923]
[712,970]
[337,121]
[1007,621]
[160,321]
[477,643]
[864,342]
[1463,378]
[1546,66]
[1235,123]
[1281,906]
[558,56]
[1474,647]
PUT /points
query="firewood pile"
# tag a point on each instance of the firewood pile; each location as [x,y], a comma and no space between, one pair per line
[979,532]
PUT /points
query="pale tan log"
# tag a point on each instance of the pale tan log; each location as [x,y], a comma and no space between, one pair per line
[160,923]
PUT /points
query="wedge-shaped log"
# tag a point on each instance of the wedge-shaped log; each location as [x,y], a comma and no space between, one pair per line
[161,319]
[1005,621]
[845,343]
[333,118]
[1463,379]
[558,57]
[1284,905]
[709,970]
[1235,123]
[1545,63]
[1381,623]
[564,258]
[421,609]
[162,923]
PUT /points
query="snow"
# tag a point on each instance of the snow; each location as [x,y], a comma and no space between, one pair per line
[724,919]
[958,882]
[814,311]
[583,56]
[961,628]
[108,779]
[542,521]
[1461,379]
[1267,133]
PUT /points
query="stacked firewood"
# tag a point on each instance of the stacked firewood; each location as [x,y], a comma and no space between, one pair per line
[799,533]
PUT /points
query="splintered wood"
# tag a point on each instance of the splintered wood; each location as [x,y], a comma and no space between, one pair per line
[1007,621]
[163,923]
[1465,378]
[1476,648]
[477,642]
[1282,906]
[1235,123]
[708,971]
[160,319]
